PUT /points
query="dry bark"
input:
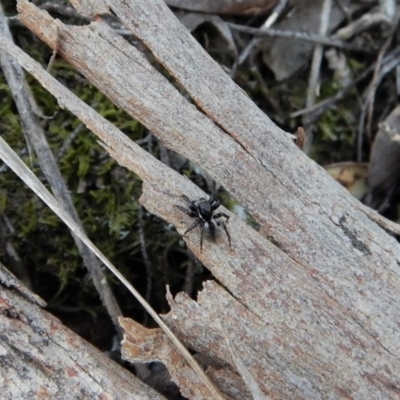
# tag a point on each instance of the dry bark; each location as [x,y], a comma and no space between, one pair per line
[313,312]
[141,344]
[42,359]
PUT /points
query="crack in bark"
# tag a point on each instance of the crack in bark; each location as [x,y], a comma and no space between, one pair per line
[374,338]
[271,172]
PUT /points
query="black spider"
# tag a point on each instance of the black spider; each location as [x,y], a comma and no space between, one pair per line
[203,211]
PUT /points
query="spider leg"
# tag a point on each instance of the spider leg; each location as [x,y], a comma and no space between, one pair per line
[213,188]
[201,238]
[214,202]
[191,227]
[186,211]
[221,214]
[222,223]
[211,228]
[187,200]
[227,233]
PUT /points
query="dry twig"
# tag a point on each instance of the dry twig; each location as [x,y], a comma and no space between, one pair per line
[278,9]
[313,82]
[389,62]
[306,36]
[367,107]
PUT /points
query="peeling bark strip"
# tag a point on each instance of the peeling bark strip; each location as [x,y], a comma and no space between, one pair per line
[146,345]
[321,320]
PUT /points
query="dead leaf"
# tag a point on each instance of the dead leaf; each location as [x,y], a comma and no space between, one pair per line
[193,20]
[351,175]
[286,56]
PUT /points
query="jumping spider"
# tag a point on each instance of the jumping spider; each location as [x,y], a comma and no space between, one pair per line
[203,211]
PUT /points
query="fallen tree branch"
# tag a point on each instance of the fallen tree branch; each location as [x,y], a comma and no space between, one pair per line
[321,293]
[310,217]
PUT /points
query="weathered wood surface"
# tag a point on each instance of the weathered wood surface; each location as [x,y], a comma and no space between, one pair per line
[42,359]
[143,344]
[313,313]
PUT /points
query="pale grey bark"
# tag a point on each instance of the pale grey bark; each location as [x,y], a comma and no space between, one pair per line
[313,310]
[42,359]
